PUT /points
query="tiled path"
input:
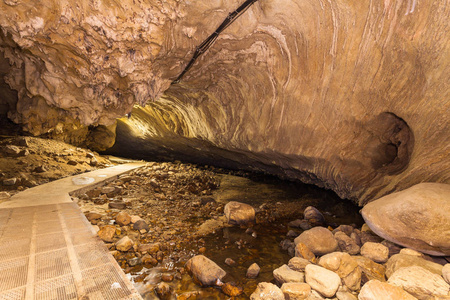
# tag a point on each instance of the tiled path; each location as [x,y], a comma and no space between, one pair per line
[49,251]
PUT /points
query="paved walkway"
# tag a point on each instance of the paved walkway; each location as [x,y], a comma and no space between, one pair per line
[48,249]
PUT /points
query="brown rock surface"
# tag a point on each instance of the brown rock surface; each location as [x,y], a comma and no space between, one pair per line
[417,218]
[399,261]
[346,95]
[376,290]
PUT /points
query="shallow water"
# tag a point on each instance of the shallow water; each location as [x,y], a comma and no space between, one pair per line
[285,202]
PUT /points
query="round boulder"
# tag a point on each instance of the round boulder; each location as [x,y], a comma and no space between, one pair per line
[319,240]
[418,218]
[204,271]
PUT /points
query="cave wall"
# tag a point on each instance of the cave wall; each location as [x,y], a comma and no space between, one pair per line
[352,96]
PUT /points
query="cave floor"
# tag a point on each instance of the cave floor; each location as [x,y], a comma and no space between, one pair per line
[48,249]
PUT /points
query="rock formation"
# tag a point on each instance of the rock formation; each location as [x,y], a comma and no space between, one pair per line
[348,96]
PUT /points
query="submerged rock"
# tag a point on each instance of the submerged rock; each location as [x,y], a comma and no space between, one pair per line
[418,218]
[239,213]
[253,271]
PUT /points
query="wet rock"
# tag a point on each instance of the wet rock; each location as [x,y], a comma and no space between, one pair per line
[148,259]
[319,240]
[416,218]
[230,262]
[141,224]
[267,291]
[370,269]
[446,273]
[298,264]
[239,213]
[117,205]
[10,181]
[402,260]
[106,233]
[285,274]
[166,277]
[377,290]
[231,289]
[295,290]
[322,280]
[124,244]
[253,271]
[303,224]
[314,216]
[375,251]
[134,261]
[419,282]
[163,290]
[149,248]
[346,243]
[345,267]
[204,271]
[123,218]
[302,251]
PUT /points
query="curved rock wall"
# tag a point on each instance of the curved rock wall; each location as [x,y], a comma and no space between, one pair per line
[352,96]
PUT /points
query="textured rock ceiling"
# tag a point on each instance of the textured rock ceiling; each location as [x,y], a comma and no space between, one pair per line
[349,95]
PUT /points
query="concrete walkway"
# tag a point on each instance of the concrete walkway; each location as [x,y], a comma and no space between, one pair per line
[48,249]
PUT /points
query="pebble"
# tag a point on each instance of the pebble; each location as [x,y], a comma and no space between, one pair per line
[314,216]
[267,291]
[141,224]
[231,290]
[319,240]
[375,251]
[253,271]
[166,277]
[346,243]
[303,224]
[117,205]
[296,291]
[123,218]
[10,181]
[106,233]
[163,290]
[230,262]
[322,280]
[285,274]
[4,195]
[149,248]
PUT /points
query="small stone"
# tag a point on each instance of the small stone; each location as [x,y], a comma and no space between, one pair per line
[314,216]
[377,290]
[117,205]
[148,259]
[322,280]
[163,290]
[72,162]
[302,251]
[346,243]
[135,218]
[230,262]
[303,224]
[107,233]
[285,274]
[419,282]
[231,290]
[202,250]
[9,181]
[375,251]
[408,251]
[345,296]
[166,277]
[253,271]
[149,248]
[124,244]
[12,150]
[4,195]
[370,269]
[93,216]
[298,264]
[239,213]
[123,218]
[296,291]
[95,228]
[446,273]
[108,190]
[319,240]
[204,271]
[347,229]
[345,267]
[267,291]
[292,234]
[141,224]
[134,261]
[40,169]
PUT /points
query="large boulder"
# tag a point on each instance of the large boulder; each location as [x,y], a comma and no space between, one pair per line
[418,218]
[238,213]
[204,271]
[318,239]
